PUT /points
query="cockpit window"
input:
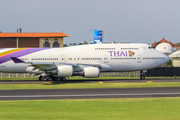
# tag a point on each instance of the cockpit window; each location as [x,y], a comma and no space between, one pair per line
[150,47]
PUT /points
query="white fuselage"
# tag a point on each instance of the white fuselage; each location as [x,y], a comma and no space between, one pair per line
[111,57]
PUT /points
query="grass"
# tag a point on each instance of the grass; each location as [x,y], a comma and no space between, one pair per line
[100,78]
[81,78]
[88,85]
[19,78]
[92,109]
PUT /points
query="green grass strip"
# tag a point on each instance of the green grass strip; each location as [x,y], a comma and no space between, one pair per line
[88,85]
[92,109]
[19,78]
[81,78]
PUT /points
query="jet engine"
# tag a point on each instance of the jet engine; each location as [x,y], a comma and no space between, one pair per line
[91,72]
[67,70]
[64,70]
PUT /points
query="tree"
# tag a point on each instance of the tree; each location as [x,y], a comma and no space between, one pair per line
[65,45]
[85,42]
[80,43]
[168,64]
[157,44]
[178,44]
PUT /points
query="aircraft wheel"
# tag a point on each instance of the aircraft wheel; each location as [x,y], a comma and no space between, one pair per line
[143,77]
[45,79]
[67,78]
[50,79]
[40,78]
[63,78]
[58,78]
[53,78]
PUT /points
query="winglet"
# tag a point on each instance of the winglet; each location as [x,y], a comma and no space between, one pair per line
[16,60]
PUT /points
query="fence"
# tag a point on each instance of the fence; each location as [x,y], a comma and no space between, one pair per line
[163,72]
[22,75]
[120,74]
[106,74]
[156,72]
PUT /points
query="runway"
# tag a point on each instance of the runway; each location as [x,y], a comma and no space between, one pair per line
[42,94]
[88,81]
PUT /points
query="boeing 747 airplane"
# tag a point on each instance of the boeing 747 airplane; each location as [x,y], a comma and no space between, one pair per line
[85,60]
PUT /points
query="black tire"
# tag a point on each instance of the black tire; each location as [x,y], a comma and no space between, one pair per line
[63,78]
[40,78]
[45,78]
[67,78]
[53,78]
[58,79]
[50,79]
[142,77]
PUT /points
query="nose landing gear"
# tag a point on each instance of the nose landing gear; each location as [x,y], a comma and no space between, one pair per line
[142,74]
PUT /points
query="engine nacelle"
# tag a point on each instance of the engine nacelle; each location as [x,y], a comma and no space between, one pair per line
[91,72]
[32,69]
[65,70]
[62,71]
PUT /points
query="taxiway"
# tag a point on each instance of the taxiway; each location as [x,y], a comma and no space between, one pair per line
[41,94]
[88,81]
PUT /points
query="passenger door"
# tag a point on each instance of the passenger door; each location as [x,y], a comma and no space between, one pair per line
[138,58]
[63,58]
[106,59]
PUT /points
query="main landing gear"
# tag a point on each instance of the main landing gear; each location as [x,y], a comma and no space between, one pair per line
[142,74]
[52,78]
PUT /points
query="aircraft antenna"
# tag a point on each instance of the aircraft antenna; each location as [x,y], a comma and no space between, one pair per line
[122,36]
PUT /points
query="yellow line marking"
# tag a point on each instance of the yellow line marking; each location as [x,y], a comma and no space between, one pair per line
[149,81]
[47,82]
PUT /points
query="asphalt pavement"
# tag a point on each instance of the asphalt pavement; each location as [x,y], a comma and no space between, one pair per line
[101,93]
[88,81]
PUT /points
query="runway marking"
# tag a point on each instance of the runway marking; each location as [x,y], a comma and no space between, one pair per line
[48,82]
[149,81]
[90,95]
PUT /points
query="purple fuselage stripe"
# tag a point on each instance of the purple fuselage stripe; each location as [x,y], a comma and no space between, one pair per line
[20,54]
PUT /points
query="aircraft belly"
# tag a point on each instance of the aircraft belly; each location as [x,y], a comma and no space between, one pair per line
[125,66]
[21,68]
[7,67]
[13,68]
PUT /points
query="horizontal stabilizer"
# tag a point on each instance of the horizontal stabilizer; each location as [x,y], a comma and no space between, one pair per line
[16,60]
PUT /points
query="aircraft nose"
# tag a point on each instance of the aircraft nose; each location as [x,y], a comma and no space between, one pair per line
[166,58]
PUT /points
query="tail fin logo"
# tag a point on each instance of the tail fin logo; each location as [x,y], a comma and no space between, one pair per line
[131,53]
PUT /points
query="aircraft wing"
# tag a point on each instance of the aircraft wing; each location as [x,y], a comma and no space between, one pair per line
[51,65]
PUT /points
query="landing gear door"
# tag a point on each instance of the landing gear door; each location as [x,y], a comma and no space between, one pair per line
[63,58]
[138,58]
[106,59]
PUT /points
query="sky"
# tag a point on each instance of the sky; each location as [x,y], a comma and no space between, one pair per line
[137,21]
